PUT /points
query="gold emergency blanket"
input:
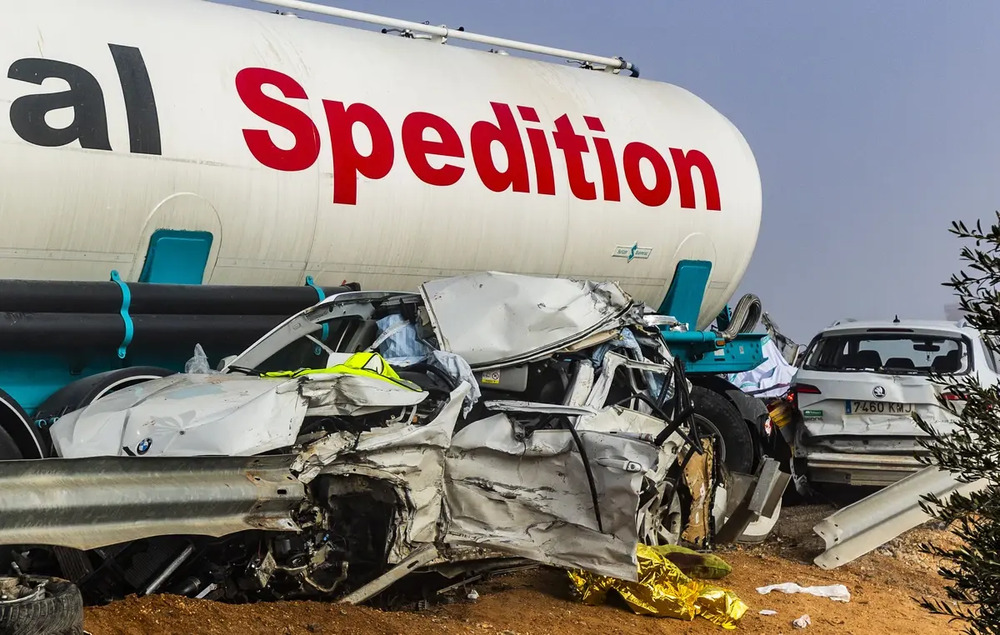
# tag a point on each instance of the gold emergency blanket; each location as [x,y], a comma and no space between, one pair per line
[662,590]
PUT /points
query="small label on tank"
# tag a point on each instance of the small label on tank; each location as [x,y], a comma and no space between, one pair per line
[632,252]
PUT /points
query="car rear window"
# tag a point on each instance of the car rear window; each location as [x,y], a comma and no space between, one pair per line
[889,353]
[990,347]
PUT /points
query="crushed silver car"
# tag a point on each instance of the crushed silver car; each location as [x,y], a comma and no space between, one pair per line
[490,416]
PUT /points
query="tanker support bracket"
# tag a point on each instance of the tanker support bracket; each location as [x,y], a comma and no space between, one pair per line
[126,318]
[714,357]
[322,296]
[705,352]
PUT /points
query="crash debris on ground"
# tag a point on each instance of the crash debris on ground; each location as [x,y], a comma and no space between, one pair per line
[539,600]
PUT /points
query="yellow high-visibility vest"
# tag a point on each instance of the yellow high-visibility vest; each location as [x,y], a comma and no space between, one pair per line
[362,364]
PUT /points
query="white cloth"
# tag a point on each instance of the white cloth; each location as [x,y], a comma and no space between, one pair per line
[770,379]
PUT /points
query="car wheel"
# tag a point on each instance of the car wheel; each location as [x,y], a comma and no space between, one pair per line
[714,413]
[663,521]
[40,606]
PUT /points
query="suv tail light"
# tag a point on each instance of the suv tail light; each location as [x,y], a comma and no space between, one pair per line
[782,409]
[801,389]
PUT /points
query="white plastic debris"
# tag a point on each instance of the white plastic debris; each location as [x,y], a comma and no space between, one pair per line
[768,612]
[802,622]
[836,592]
[198,365]
[206,591]
[473,595]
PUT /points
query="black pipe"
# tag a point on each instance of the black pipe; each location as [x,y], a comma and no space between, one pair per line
[630,67]
[31,296]
[84,332]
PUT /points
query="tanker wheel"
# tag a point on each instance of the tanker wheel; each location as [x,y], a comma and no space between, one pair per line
[20,438]
[9,450]
[86,391]
[714,413]
[40,606]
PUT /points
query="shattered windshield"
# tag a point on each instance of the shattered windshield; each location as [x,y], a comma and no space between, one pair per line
[896,353]
[309,339]
[312,349]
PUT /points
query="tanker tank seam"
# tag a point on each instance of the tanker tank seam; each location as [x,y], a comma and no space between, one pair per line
[149,157]
[355,268]
[64,254]
[566,236]
[307,266]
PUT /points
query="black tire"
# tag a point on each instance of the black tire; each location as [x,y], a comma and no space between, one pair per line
[754,413]
[85,391]
[8,447]
[58,612]
[715,412]
[27,437]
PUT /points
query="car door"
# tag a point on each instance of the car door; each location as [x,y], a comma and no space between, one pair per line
[530,495]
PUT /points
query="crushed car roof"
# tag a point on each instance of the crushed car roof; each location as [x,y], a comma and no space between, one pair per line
[494,318]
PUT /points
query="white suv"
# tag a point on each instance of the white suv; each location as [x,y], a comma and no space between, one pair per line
[856,388]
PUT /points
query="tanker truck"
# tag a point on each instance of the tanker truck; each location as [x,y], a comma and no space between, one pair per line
[201,180]
[185,173]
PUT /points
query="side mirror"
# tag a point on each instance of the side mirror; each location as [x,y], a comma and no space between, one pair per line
[225,361]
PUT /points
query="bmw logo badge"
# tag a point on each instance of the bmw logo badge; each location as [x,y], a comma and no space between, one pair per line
[143,446]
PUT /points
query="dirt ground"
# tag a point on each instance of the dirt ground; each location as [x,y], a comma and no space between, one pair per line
[884,586]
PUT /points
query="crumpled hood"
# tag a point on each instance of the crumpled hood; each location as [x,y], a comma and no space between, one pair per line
[185,415]
[218,414]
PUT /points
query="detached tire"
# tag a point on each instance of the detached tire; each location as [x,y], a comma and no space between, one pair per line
[58,611]
[713,411]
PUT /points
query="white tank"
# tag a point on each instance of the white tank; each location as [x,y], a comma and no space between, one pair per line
[307,148]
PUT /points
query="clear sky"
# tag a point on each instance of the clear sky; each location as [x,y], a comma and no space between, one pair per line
[873,124]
